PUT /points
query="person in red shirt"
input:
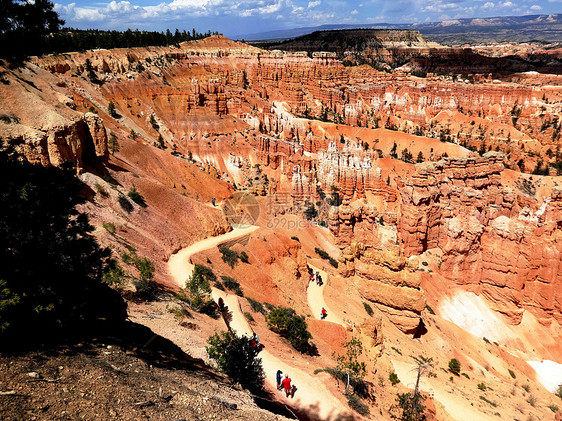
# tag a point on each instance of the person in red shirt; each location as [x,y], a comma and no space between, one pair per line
[287,385]
[323,314]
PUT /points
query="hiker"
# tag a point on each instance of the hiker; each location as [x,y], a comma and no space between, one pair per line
[255,340]
[319,281]
[323,314]
[213,200]
[293,390]
[278,377]
[287,385]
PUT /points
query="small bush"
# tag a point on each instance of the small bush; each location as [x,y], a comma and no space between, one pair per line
[295,238]
[488,401]
[355,403]
[511,373]
[291,326]
[396,350]
[114,274]
[180,312]
[428,308]
[532,400]
[368,308]
[249,316]
[109,227]
[553,408]
[465,375]
[228,256]
[526,388]
[243,257]
[232,284]
[137,197]
[256,306]
[238,359]
[323,254]
[147,289]
[559,391]
[482,386]
[393,377]
[455,366]
[99,189]
[125,204]
[8,119]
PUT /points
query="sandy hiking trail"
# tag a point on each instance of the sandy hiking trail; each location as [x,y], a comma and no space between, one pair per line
[311,393]
[315,296]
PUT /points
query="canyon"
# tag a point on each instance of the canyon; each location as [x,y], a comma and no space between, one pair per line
[439,197]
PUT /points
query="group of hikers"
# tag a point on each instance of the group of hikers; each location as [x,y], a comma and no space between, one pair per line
[315,276]
[285,384]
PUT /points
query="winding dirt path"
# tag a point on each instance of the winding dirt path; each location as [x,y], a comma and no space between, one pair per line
[312,394]
[315,296]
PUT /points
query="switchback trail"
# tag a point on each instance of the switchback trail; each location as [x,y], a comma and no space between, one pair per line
[315,296]
[312,394]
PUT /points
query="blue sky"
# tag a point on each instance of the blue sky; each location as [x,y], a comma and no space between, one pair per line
[233,17]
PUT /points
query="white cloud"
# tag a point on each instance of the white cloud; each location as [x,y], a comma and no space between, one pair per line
[506,4]
[312,4]
[536,7]
[488,5]
[354,12]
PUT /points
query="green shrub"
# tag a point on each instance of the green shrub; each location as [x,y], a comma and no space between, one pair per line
[243,257]
[526,387]
[109,227]
[368,308]
[63,286]
[137,197]
[553,408]
[228,256]
[180,312]
[558,391]
[412,408]
[125,204]
[393,377]
[355,403]
[482,386]
[200,280]
[486,340]
[113,143]
[249,316]
[511,373]
[147,289]
[532,400]
[428,308]
[256,306]
[288,324]
[114,275]
[324,255]
[99,189]
[232,284]
[238,359]
[455,366]
[488,401]
[295,238]
[111,110]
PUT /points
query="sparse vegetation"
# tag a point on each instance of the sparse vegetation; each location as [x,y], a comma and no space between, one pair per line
[232,284]
[482,386]
[357,405]
[368,308]
[488,401]
[114,275]
[526,388]
[295,238]
[113,143]
[324,255]
[125,204]
[291,326]
[244,257]
[511,373]
[553,408]
[558,391]
[109,227]
[111,110]
[256,306]
[455,366]
[428,308]
[229,256]
[237,358]
[393,377]
[136,197]
[532,400]
[100,189]
[249,316]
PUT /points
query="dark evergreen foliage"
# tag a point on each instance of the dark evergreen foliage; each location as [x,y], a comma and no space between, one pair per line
[52,270]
